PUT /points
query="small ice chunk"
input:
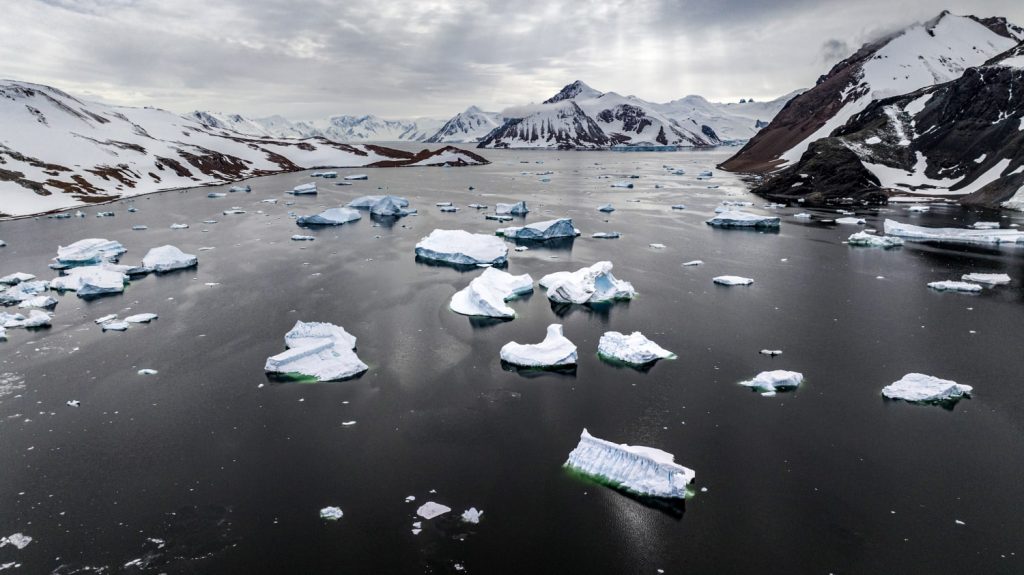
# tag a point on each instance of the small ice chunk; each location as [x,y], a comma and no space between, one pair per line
[35,318]
[168,258]
[331,513]
[642,470]
[23,291]
[139,227]
[555,351]
[486,295]
[116,325]
[678,206]
[771,352]
[357,177]
[622,184]
[775,380]
[243,188]
[323,351]
[516,209]
[872,241]
[18,540]
[147,371]
[694,263]
[216,195]
[851,221]
[920,388]
[141,318]
[803,216]
[985,225]
[462,248]
[367,202]
[74,403]
[989,279]
[732,280]
[472,515]
[739,219]
[955,286]
[304,189]
[430,510]
[40,302]
[918,209]
[657,246]
[233,212]
[607,208]
[105,318]
[594,284]
[301,238]
[606,235]
[16,278]
[634,349]
[330,217]
[179,226]
[540,231]
[90,281]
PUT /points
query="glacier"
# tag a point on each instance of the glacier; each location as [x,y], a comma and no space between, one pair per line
[486,295]
[634,468]
[554,352]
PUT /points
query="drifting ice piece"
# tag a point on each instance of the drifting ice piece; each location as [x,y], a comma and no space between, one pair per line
[35,318]
[331,513]
[606,235]
[486,295]
[920,388]
[540,231]
[330,217]
[952,235]
[607,208]
[18,540]
[472,515]
[622,184]
[179,226]
[245,188]
[732,280]
[391,206]
[954,286]
[738,219]
[357,177]
[770,381]
[594,284]
[116,325]
[302,238]
[40,301]
[320,350]
[430,510]
[851,221]
[23,291]
[141,318]
[641,470]
[985,225]
[16,278]
[693,263]
[462,248]
[90,281]
[634,349]
[168,258]
[368,202]
[304,189]
[990,279]
[867,240]
[516,209]
[89,251]
[555,351]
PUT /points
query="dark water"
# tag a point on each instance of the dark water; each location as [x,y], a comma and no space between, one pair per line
[199,469]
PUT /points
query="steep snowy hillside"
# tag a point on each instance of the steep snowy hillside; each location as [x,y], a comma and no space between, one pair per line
[558,125]
[922,55]
[961,138]
[57,151]
[732,122]
[469,126]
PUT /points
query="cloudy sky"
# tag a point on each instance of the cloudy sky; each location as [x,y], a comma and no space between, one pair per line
[316,58]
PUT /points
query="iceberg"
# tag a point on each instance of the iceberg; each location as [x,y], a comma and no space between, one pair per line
[634,349]
[179,226]
[91,281]
[607,208]
[245,188]
[35,318]
[40,302]
[18,540]
[367,202]
[462,248]
[920,388]
[304,189]
[216,195]
[693,263]
[430,510]
[851,221]
[732,280]
[331,513]
[89,251]
[390,206]
[955,286]
[516,209]
[472,515]
[323,351]
[739,219]
[330,217]
[872,241]
[23,291]
[555,351]
[168,258]
[678,206]
[116,325]
[357,177]
[498,217]
[16,278]
[622,184]
[988,279]
[635,468]
[540,231]
[486,295]
[141,318]
[952,235]
[594,284]
[606,235]
[771,381]
[985,225]
[302,238]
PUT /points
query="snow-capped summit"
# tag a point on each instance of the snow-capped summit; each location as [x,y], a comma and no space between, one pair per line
[341,128]
[469,126]
[573,91]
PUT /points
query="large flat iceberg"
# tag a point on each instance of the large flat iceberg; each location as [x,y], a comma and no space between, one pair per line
[382,205]
[635,468]
[634,349]
[486,295]
[462,248]
[594,284]
[988,279]
[540,231]
[90,281]
[323,351]
[168,258]
[555,351]
[89,251]
[771,381]
[740,219]
[952,235]
[330,217]
[920,388]
[865,239]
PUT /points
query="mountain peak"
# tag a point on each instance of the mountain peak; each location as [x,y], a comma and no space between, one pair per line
[572,91]
[473,110]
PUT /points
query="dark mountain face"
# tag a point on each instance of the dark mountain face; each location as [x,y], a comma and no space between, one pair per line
[567,128]
[633,119]
[571,91]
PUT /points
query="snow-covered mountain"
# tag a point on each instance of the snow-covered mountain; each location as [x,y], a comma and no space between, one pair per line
[921,55]
[57,151]
[345,129]
[579,116]
[469,126]
[270,127]
[961,138]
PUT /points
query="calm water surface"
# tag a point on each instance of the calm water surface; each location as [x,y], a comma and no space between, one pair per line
[211,467]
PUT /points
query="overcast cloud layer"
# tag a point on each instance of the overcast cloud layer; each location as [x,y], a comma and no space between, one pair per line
[436,57]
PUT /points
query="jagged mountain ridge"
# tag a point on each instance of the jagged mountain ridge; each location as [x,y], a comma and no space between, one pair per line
[471,125]
[342,128]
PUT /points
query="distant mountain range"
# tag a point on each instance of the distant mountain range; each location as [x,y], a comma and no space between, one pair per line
[934,109]
[576,117]
[57,151]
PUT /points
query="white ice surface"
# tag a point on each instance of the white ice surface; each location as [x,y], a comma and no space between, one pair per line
[920,388]
[594,284]
[634,349]
[463,248]
[642,470]
[486,294]
[556,350]
[775,380]
[320,350]
[168,258]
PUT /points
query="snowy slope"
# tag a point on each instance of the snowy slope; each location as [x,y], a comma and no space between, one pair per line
[367,128]
[469,126]
[921,55]
[57,151]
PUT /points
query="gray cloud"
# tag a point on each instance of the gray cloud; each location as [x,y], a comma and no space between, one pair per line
[434,57]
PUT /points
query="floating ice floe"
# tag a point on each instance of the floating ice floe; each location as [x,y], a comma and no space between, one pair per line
[18,540]
[233,212]
[39,302]
[738,219]
[771,352]
[301,238]
[851,221]
[320,350]
[772,381]
[179,226]
[330,217]
[472,515]
[430,510]
[477,206]
[952,235]
[35,318]
[606,235]
[23,291]
[555,351]
[357,177]
[594,284]
[147,371]
[657,246]
[607,208]
[865,239]
[732,280]
[168,258]
[954,286]
[635,468]
[245,188]
[331,513]
[517,209]
[462,248]
[985,225]
[693,263]
[141,318]
[540,231]
[920,388]
[115,325]
[91,281]
[89,251]
[634,349]
[988,279]
[73,403]
[140,227]
[918,209]
[449,209]
[16,278]
[622,184]
[486,295]
[304,189]
[216,195]
[367,202]
[678,206]
[391,206]
[803,216]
